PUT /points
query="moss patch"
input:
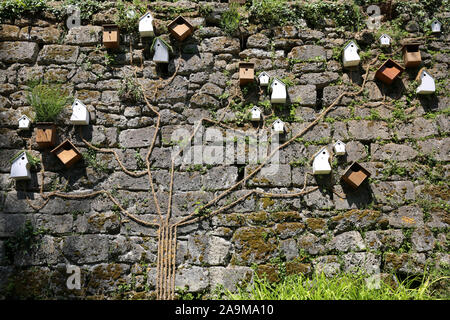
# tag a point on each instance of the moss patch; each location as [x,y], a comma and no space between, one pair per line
[254,244]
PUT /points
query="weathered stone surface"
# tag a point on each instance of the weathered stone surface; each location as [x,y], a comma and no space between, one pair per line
[86,248]
[406,217]
[419,128]
[355,151]
[136,138]
[365,262]
[348,241]
[41,35]
[305,95]
[9,32]
[22,52]
[368,130]
[84,35]
[392,151]
[307,53]
[384,239]
[311,244]
[319,200]
[394,193]
[195,63]
[254,245]
[360,219]
[407,263]
[437,149]
[59,54]
[194,278]
[273,175]
[320,80]
[258,40]
[208,250]
[221,45]
[329,265]
[422,240]
[230,277]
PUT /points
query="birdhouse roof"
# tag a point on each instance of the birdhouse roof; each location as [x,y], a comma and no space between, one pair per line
[421,71]
[436,21]
[255,108]
[385,35]
[278,121]
[18,155]
[24,116]
[145,15]
[79,101]
[263,74]
[67,141]
[349,43]
[110,26]
[278,80]
[339,141]
[246,65]
[161,41]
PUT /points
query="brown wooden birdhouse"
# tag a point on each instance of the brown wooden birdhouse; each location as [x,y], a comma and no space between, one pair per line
[45,134]
[355,175]
[67,153]
[411,55]
[246,72]
[389,71]
[111,36]
[180,28]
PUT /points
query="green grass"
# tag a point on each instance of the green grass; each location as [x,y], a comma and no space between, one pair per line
[341,287]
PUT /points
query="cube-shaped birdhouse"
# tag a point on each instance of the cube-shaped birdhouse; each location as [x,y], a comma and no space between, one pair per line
[426,82]
[355,175]
[180,28]
[411,55]
[20,167]
[146,25]
[24,123]
[80,113]
[389,71]
[246,72]
[321,162]
[255,114]
[278,126]
[436,26]
[263,79]
[67,153]
[278,91]
[339,148]
[111,36]
[161,51]
[385,40]
[45,134]
[350,56]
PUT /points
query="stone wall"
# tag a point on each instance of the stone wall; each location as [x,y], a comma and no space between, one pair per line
[397,222]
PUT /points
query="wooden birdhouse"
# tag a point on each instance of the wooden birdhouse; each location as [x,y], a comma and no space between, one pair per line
[355,175]
[180,28]
[246,72]
[426,81]
[161,51]
[263,79]
[411,55]
[67,153]
[436,26]
[45,134]
[389,71]
[20,167]
[385,40]
[255,114]
[111,36]
[278,91]
[80,113]
[146,25]
[24,123]
[339,148]
[321,162]
[278,126]
[351,57]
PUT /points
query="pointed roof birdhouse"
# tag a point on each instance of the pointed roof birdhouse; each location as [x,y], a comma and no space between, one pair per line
[180,28]
[255,114]
[161,50]
[278,91]
[24,123]
[321,162]
[351,57]
[385,40]
[246,72]
[263,79]
[146,25]
[20,166]
[80,113]
[67,153]
[389,71]
[411,55]
[426,81]
[436,26]
[111,38]
[355,175]
[339,148]
[278,126]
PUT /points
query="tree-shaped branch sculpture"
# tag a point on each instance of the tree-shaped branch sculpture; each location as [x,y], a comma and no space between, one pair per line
[166,224]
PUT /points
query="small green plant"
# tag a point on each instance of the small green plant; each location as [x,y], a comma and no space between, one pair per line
[12,9]
[231,19]
[124,19]
[90,156]
[26,238]
[130,90]
[87,7]
[152,47]
[47,100]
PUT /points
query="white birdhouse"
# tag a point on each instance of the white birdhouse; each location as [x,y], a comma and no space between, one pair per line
[255,114]
[278,126]
[263,79]
[80,113]
[20,167]
[436,26]
[278,89]
[339,148]
[146,25]
[351,57]
[161,51]
[427,84]
[321,163]
[24,123]
[385,40]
